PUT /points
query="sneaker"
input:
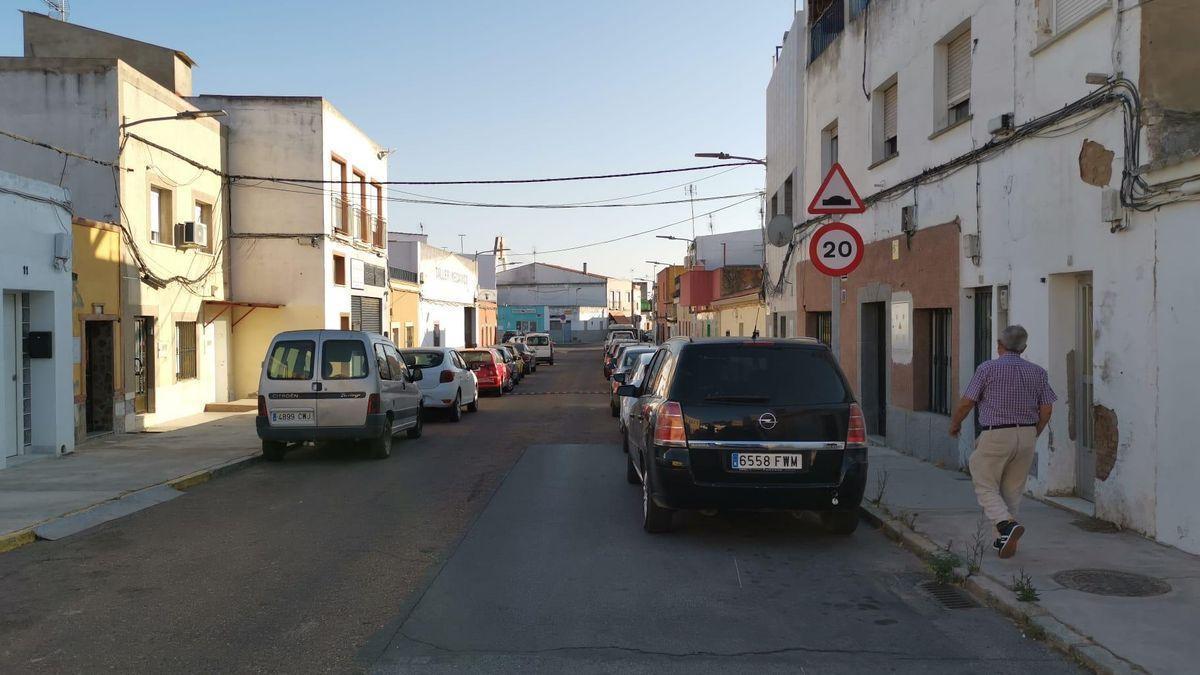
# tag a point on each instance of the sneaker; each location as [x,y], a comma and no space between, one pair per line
[1010,534]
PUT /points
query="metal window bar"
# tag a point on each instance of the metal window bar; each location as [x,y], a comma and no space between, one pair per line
[340,214]
[825,328]
[857,7]
[939,361]
[402,275]
[825,29]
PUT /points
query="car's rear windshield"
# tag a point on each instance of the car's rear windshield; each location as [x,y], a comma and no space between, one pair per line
[631,356]
[621,335]
[538,340]
[343,359]
[422,359]
[476,358]
[291,360]
[773,374]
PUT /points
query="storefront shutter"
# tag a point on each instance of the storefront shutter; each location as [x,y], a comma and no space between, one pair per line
[958,69]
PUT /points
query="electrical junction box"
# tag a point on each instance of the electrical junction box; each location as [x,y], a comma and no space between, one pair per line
[1001,125]
[40,344]
[971,245]
[1110,205]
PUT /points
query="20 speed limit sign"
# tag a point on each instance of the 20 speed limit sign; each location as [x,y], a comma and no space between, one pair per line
[835,249]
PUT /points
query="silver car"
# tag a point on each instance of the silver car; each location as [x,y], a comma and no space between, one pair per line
[325,385]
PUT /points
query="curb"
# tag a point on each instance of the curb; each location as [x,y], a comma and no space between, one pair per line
[993,593]
[19,538]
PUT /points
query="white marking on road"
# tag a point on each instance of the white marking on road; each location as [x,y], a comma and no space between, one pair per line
[737,571]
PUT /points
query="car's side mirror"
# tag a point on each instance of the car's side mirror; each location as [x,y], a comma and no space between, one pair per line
[619,378]
[415,374]
[627,390]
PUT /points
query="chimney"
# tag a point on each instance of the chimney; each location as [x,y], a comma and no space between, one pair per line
[585,268]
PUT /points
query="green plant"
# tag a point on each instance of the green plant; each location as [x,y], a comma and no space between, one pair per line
[1031,630]
[881,481]
[978,546]
[942,565]
[1023,587]
[909,519]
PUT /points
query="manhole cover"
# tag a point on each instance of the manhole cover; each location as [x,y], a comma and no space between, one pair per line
[1112,582]
[1095,525]
[948,595]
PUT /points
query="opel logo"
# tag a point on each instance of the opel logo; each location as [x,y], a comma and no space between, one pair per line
[767,421]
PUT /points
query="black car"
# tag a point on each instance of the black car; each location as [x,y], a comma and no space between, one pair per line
[746,423]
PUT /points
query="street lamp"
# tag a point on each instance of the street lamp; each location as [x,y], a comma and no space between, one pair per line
[656,262]
[184,115]
[673,238]
[726,155]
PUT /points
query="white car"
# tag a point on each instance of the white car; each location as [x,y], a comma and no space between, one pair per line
[542,345]
[627,402]
[446,382]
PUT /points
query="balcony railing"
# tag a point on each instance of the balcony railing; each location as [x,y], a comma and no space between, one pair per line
[340,214]
[825,29]
[402,275]
[380,231]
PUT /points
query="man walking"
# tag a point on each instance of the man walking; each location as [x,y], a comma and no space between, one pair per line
[1015,401]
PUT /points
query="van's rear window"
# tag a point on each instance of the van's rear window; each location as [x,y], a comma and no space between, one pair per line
[537,340]
[758,374]
[343,360]
[476,358]
[422,359]
[291,360]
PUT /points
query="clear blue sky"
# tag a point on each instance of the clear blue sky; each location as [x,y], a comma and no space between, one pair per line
[488,89]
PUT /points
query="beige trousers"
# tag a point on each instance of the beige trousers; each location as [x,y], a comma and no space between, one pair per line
[999,467]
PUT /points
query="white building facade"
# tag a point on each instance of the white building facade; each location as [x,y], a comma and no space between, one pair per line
[36,348]
[447,311]
[1056,141]
[581,303]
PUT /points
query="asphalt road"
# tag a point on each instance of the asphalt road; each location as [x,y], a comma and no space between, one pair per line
[507,541]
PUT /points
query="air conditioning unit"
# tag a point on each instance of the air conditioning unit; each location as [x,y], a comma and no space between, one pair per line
[1000,125]
[191,235]
[971,246]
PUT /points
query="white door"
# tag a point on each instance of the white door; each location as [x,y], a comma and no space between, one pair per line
[10,376]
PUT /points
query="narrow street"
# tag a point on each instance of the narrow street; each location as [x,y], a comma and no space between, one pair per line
[508,541]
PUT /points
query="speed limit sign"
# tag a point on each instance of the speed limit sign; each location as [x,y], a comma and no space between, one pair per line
[835,249]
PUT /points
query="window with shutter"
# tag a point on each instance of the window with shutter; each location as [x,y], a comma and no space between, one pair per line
[958,70]
[1067,13]
[889,112]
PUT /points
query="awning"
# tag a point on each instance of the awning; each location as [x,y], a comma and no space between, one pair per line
[618,318]
[227,304]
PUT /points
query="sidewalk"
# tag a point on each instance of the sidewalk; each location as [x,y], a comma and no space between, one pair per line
[108,477]
[1156,633]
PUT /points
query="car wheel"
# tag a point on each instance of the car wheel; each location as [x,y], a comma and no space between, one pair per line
[655,519]
[625,441]
[840,522]
[552,360]
[273,451]
[415,432]
[456,408]
[473,406]
[381,447]
[631,474]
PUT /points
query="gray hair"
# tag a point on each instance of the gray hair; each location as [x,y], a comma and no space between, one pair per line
[1014,338]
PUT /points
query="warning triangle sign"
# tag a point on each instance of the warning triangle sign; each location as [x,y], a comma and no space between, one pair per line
[837,194]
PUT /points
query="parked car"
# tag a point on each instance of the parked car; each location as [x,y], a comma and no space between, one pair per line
[509,334]
[542,345]
[625,403]
[621,330]
[528,356]
[327,385]
[610,361]
[513,338]
[516,366]
[621,369]
[447,382]
[744,423]
[491,372]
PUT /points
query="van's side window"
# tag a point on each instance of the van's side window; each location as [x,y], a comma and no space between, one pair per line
[381,364]
[343,360]
[397,365]
[291,360]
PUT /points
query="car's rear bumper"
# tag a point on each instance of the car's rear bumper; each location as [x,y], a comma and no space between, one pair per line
[373,428]
[676,489]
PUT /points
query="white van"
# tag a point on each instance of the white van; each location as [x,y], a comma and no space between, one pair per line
[326,385]
[542,346]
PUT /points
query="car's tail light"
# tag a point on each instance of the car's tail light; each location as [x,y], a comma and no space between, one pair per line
[856,432]
[668,427]
[262,406]
[373,404]
[446,376]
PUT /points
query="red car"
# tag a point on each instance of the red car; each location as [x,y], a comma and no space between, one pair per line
[490,370]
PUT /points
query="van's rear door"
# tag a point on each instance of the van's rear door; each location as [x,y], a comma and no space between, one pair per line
[763,412]
[287,383]
[346,379]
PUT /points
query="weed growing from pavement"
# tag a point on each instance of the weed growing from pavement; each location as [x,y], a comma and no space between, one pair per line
[909,518]
[1031,630]
[942,564]
[978,547]
[881,480]
[1023,587]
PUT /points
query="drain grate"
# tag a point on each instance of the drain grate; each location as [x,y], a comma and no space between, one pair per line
[1095,525]
[1111,582]
[948,595]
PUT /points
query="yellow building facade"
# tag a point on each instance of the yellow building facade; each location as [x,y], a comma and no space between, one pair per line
[98,374]
[404,301]
[741,315]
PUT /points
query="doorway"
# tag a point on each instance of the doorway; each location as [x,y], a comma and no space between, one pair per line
[873,366]
[143,364]
[983,335]
[469,327]
[10,375]
[98,375]
[1083,410]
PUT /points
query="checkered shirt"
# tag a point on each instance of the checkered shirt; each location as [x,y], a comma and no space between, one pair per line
[1009,390]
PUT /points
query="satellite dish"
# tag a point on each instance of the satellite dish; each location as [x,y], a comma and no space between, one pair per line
[780,229]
